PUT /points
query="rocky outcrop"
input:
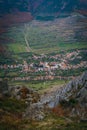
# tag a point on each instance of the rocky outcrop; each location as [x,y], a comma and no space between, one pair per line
[34,110]
[76,88]
[24,93]
[74,94]
[73,97]
[80,109]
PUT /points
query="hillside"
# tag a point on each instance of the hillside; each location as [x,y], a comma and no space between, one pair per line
[57,34]
[11,12]
[23,108]
[61,42]
[43,64]
[40,6]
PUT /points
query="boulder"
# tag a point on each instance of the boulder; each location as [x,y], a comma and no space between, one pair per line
[34,111]
[24,93]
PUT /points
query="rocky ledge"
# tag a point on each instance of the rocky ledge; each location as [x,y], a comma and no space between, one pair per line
[73,97]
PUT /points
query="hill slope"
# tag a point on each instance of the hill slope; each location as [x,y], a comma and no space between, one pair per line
[44,36]
[43,6]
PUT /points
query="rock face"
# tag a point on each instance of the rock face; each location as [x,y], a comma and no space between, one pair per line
[24,93]
[76,88]
[74,94]
[34,109]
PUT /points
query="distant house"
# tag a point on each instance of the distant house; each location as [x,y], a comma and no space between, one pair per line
[53,66]
[41,68]
[63,66]
[25,67]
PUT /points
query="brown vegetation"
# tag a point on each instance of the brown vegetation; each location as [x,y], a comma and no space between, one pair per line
[58,110]
[14,18]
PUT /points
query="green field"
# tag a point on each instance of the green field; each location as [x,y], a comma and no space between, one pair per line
[16,48]
[40,86]
[46,37]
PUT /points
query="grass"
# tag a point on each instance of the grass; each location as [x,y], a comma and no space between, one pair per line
[2,73]
[44,37]
[68,46]
[17,48]
[41,86]
[11,119]
[53,122]
[20,48]
[12,105]
[11,113]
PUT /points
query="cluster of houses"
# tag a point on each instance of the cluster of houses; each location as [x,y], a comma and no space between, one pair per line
[40,77]
[12,66]
[48,67]
[42,66]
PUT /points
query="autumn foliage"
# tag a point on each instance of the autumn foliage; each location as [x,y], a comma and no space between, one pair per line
[58,110]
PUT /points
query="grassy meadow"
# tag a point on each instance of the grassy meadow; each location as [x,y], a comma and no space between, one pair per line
[45,37]
[40,86]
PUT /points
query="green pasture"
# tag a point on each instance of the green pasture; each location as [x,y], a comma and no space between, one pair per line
[40,86]
[43,38]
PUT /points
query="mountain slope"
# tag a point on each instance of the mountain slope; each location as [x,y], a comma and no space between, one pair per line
[54,35]
[38,6]
[19,11]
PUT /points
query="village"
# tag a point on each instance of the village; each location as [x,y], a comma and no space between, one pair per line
[44,67]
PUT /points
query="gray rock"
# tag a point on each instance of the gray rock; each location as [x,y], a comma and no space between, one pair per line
[75,89]
[34,111]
